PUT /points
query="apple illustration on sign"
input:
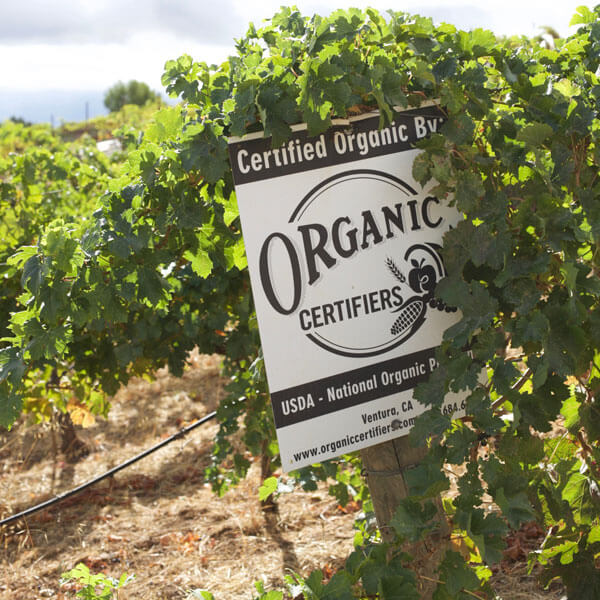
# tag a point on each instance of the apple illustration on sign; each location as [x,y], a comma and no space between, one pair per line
[422,277]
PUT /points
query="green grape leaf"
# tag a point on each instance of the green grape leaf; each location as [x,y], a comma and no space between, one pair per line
[412,519]
[339,587]
[534,134]
[426,479]
[268,487]
[456,576]
[200,262]
[583,16]
[397,587]
[166,125]
[10,406]
[34,273]
[516,508]
[12,365]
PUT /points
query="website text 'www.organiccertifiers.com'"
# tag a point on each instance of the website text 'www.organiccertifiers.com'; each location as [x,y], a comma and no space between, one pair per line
[393,422]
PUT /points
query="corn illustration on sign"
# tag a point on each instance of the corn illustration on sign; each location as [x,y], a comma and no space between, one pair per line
[343,251]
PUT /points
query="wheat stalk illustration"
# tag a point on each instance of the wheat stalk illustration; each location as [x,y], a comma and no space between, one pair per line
[396,272]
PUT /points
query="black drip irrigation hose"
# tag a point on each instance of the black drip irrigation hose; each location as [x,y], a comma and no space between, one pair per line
[60,497]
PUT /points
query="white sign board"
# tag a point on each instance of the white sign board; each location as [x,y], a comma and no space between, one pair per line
[343,253]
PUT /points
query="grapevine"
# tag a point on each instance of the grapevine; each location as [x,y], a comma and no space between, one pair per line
[160,268]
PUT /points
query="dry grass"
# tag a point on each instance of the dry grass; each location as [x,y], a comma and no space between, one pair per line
[159,519]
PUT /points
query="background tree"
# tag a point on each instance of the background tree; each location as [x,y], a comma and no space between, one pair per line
[20,120]
[133,92]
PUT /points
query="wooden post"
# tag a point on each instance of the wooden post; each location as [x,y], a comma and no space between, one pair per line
[384,466]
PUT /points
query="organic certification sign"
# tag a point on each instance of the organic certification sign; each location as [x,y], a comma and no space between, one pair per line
[343,253]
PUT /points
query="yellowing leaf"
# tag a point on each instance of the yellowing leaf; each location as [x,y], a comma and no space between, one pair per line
[80,415]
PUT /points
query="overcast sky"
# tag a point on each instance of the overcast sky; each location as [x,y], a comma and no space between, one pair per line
[56,55]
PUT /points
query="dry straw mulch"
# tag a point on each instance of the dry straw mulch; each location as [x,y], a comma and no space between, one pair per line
[159,519]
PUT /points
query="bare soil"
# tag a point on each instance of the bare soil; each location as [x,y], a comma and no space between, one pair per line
[159,519]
